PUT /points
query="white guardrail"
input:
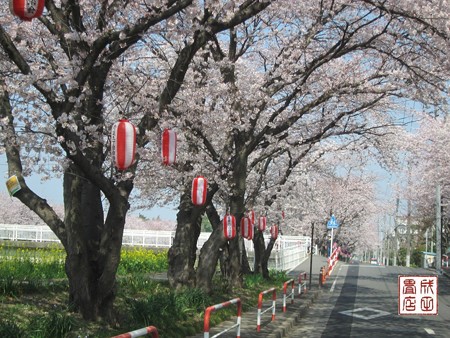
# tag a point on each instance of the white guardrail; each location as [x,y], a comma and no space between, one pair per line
[288,251]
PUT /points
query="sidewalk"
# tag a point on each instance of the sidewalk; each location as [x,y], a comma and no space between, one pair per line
[284,321]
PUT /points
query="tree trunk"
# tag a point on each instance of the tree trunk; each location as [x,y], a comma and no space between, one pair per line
[245,265]
[182,254]
[237,208]
[209,255]
[235,273]
[259,247]
[224,260]
[215,248]
[93,251]
[265,258]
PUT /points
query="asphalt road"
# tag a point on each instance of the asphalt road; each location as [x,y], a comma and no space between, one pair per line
[361,300]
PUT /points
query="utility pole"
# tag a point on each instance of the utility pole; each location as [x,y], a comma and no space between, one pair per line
[311,250]
[438,230]
[396,234]
[388,251]
[408,222]
[386,243]
[408,235]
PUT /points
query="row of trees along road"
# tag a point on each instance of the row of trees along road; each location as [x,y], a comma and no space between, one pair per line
[260,93]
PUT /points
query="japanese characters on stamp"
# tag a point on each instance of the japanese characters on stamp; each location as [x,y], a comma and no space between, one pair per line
[417,295]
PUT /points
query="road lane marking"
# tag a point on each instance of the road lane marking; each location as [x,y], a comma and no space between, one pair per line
[365,266]
[334,283]
[429,331]
[365,313]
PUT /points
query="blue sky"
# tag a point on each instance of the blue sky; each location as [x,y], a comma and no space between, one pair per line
[51,190]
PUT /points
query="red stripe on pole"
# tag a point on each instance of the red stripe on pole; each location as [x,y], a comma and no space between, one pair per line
[302,282]
[27,9]
[285,285]
[139,333]
[213,308]
[260,302]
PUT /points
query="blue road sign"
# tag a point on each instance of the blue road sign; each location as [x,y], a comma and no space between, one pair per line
[332,223]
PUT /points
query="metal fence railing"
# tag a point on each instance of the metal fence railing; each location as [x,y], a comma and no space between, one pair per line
[34,233]
[286,254]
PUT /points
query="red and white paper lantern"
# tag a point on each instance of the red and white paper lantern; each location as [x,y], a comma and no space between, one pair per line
[168,146]
[246,228]
[199,189]
[262,223]
[274,231]
[229,226]
[123,144]
[27,9]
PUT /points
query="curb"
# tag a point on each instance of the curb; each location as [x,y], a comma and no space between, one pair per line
[289,323]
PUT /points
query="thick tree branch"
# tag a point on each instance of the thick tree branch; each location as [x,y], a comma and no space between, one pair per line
[25,194]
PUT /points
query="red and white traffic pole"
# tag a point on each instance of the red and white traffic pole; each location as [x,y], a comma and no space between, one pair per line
[260,312]
[139,333]
[213,308]
[290,295]
[302,282]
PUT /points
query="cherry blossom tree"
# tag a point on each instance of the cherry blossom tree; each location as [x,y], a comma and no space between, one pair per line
[255,89]
[350,197]
[279,86]
[431,160]
[64,78]
[427,167]
[12,211]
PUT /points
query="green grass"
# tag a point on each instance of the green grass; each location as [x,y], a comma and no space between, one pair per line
[34,297]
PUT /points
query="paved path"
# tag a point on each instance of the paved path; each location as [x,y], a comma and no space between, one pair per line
[284,321]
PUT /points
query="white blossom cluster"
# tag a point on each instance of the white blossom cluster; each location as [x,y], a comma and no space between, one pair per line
[299,93]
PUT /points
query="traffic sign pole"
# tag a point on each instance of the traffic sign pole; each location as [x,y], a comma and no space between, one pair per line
[311,249]
[332,224]
[331,242]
